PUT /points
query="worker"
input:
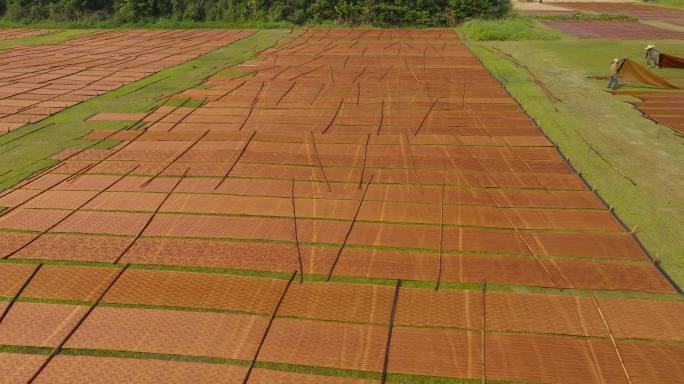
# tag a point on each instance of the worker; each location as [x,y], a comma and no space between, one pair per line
[613,84]
[652,56]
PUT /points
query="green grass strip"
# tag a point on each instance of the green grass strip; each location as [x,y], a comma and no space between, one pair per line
[150,356]
[221,271]
[49,38]
[43,300]
[25,349]
[183,308]
[185,103]
[322,371]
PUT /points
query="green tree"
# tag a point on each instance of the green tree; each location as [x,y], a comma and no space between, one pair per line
[353,12]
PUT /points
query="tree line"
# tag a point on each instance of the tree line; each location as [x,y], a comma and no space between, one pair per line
[348,12]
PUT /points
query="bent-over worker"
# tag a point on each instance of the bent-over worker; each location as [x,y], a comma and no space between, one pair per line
[652,56]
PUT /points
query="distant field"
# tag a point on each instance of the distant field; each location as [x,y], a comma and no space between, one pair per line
[23,156]
[590,120]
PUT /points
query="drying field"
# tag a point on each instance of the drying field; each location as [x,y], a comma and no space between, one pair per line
[613,30]
[18,33]
[666,108]
[640,10]
[38,81]
[351,206]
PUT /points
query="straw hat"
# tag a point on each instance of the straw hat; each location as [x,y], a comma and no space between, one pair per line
[650,46]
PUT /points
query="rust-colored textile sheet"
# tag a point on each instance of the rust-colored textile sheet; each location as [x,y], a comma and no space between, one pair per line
[162,331]
[435,352]
[69,282]
[223,254]
[267,376]
[550,314]
[628,70]
[666,108]
[39,324]
[642,276]
[19,367]
[653,363]
[564,359]
[13,276]
[441,308]
[325,344]
[337,301]
[196,290]
[671,61]
[72,247]
[644,319]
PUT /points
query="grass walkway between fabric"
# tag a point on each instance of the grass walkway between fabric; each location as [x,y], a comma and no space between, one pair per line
[607,140]
[28,149]
[48,38]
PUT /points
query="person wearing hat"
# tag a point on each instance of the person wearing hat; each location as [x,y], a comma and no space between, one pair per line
[652,56]
[614,67]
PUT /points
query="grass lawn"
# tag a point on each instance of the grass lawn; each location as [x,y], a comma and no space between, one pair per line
[26,150]
[589,120]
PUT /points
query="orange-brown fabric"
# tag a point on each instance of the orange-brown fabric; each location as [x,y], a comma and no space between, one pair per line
[630,71]
[671,61]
